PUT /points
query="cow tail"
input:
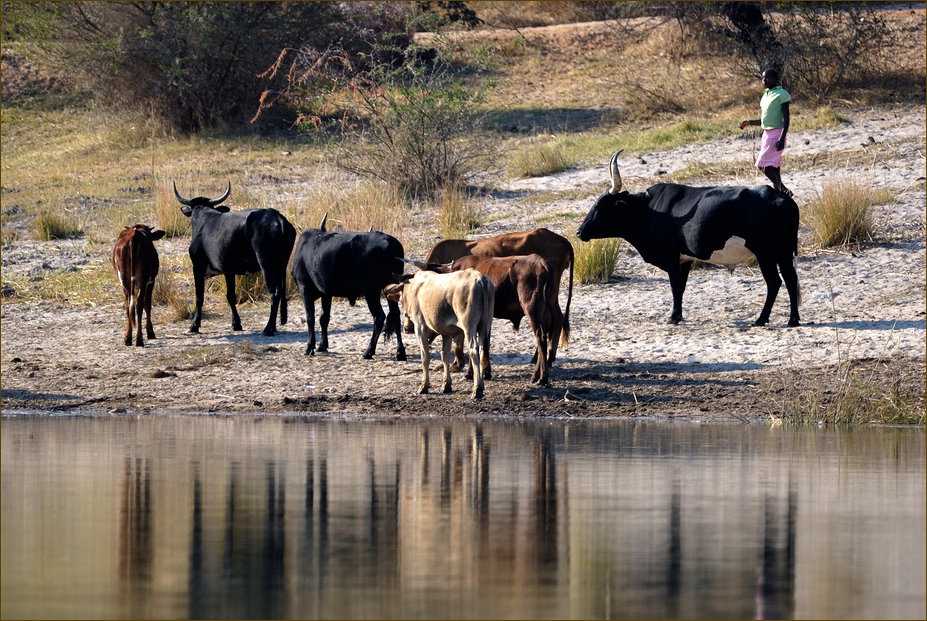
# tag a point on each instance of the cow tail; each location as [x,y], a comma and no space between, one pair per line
[489,300]
[565,335]
[128,275]
[795,253]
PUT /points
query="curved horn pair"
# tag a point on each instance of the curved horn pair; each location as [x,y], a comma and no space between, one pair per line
[209,201]
[614,174]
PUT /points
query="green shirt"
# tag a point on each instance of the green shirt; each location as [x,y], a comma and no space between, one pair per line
[771,107]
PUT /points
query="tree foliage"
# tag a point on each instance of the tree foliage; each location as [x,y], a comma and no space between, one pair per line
[815,46]
[194,64]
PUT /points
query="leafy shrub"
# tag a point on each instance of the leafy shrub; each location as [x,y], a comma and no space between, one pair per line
[410,115]
[817,47]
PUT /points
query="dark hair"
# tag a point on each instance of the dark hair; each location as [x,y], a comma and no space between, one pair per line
[773,74]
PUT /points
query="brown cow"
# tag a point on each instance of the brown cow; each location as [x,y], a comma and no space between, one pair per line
[557,250]
[525,286]
[136,263]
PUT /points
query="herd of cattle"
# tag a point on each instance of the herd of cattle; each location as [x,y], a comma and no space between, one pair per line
[463,284]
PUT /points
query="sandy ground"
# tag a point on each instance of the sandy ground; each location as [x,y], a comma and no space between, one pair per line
[863,306]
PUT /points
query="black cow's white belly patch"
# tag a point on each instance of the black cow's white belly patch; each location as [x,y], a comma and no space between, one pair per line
[733,253]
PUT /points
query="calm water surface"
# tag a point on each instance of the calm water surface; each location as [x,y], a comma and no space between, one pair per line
[277,517]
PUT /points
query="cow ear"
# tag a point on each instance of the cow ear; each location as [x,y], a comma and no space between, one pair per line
[157,234]
[394,292]
[186,210]
[222,209]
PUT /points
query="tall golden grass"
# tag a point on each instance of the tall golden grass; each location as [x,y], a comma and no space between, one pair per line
[595,260]
[841,211]
[457,214]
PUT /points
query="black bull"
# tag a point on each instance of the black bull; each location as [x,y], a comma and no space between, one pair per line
[234,243]
[349,265]
[671,225]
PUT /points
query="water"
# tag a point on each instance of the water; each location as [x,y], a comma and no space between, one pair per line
[278,517]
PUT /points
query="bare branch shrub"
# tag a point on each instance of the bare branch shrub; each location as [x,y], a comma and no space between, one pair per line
[408,115]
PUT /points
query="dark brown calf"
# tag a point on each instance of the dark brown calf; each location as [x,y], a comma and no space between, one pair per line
[136,263]
[555,249]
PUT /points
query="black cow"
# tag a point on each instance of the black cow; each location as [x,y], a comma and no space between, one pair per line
[242,242]
[331,264]
[671,225]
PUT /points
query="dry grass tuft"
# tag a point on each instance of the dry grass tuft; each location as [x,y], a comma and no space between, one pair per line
[167,210]
[595,260]
[540,160]
[457,214]
[857,392]
[841,212]
[48,225]
[173,292]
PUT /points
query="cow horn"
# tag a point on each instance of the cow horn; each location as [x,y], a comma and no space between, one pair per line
[183,201]
[614,174]
[420,265]
[324,218]
[218,201]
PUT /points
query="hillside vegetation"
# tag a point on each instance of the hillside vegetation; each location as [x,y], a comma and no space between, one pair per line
[575,90]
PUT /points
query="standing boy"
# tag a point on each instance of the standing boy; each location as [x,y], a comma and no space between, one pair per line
[774,110]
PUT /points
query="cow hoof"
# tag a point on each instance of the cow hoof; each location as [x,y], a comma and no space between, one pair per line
[269,332]
[793,323]
[447,390]
[192,330]
[401,356]
[487,374]
[674,320]
[478,394]
[236,328]
[309,352]
[152,336]
[759,323]
[423,390]
[368,356]
[139,344]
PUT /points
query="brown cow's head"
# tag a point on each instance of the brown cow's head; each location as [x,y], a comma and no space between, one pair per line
[394,293]
[155,234]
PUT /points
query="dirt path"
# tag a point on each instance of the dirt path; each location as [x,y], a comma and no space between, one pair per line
[863,306]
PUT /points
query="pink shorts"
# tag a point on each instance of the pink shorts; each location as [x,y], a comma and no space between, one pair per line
[769,156]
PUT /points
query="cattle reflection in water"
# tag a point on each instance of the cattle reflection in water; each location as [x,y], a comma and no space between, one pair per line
[264,516]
